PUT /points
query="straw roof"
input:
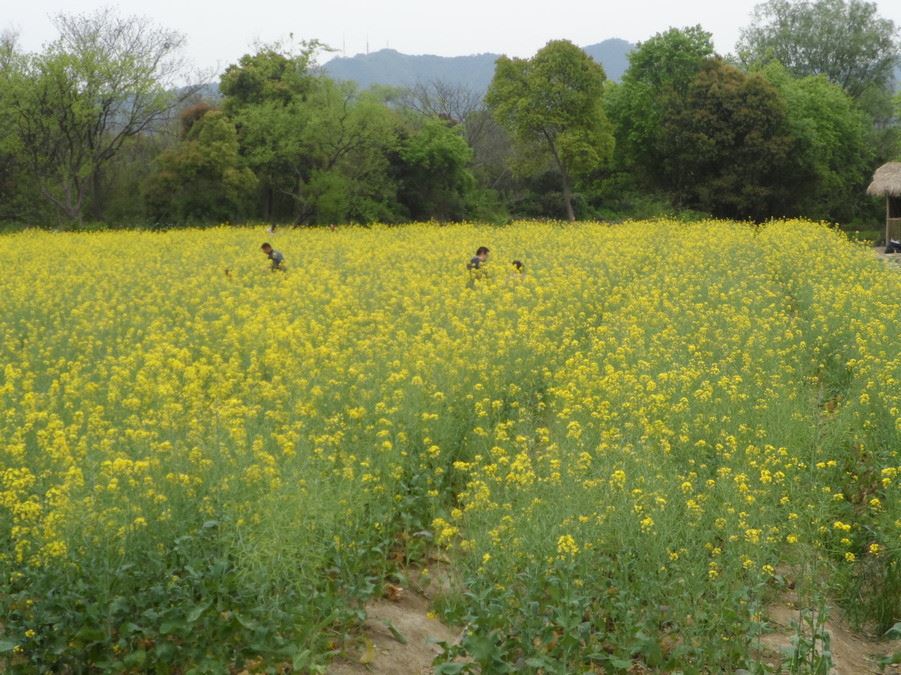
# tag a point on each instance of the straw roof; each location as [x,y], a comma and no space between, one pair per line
[886,181]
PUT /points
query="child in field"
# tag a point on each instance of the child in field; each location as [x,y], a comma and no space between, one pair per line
[275,256]
[476,265]
[479,259]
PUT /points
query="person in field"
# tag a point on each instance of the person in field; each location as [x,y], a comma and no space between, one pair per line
[518,268]
[479,259]
[275,256]
[476,265]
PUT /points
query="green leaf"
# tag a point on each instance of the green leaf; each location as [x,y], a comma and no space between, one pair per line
[131,627]
[7,646]
[136,659]
[169,627]
[249,624]
[301,659]
[195,613]
[449,669]
[90,634]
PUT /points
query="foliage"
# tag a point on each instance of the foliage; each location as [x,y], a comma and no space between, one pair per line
[90,121]
[728,146]
[14,195]
[433,171]
[341,133]
[272,73]
[201,177]
[105,79]
[833,145]
[847,41]
[552,104]
[657,80]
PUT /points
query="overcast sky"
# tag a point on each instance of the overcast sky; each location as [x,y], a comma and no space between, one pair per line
[219,33]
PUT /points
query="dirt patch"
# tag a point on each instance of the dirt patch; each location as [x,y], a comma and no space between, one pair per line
[399,635]
[852,653]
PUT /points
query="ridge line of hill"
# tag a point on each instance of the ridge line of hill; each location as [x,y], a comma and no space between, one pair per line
[474,71]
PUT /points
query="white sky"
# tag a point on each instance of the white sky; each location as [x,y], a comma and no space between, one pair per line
[219,33]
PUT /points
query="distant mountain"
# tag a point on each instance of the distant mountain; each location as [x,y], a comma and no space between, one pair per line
[613,54]
[390,67]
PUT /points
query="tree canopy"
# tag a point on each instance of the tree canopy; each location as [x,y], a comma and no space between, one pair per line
[845,40]
[104,80]
[657,80]
[553,103]
[96,127]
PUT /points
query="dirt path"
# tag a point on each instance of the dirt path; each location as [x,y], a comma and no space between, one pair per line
[399,636]
[852,653]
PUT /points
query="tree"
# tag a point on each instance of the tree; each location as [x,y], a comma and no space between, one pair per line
[446,100]
[273,73]
[201,179]
[433,173]
[325,151]
[552,106]
[451,121]
[105,80]
[319,148]
[728,147]
[9,40]
[657,80]
[19,201]
[833,144]
[847,41]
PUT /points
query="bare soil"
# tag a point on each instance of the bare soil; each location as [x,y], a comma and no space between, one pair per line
[410,647]
[852,653]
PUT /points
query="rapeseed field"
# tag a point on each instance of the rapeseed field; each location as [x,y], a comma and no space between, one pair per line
[622,453]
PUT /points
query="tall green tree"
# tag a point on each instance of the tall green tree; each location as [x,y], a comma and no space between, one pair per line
[845,40]
[320,148]
[106,79]
[432,169]
[660,73]
[274,73]
[201,179]
[833,151]
[11,151]
[729,148]
[552,105]
[324,153]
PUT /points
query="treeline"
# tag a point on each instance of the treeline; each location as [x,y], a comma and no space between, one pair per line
[94,129]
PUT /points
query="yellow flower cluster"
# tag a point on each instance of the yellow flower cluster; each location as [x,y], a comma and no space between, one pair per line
[653,391]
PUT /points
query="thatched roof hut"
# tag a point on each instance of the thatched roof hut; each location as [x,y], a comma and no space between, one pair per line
[887,183]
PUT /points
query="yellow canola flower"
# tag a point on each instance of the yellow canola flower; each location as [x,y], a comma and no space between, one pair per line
[566,546]
[611,399]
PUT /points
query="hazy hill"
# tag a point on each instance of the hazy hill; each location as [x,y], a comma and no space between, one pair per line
[390,67]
